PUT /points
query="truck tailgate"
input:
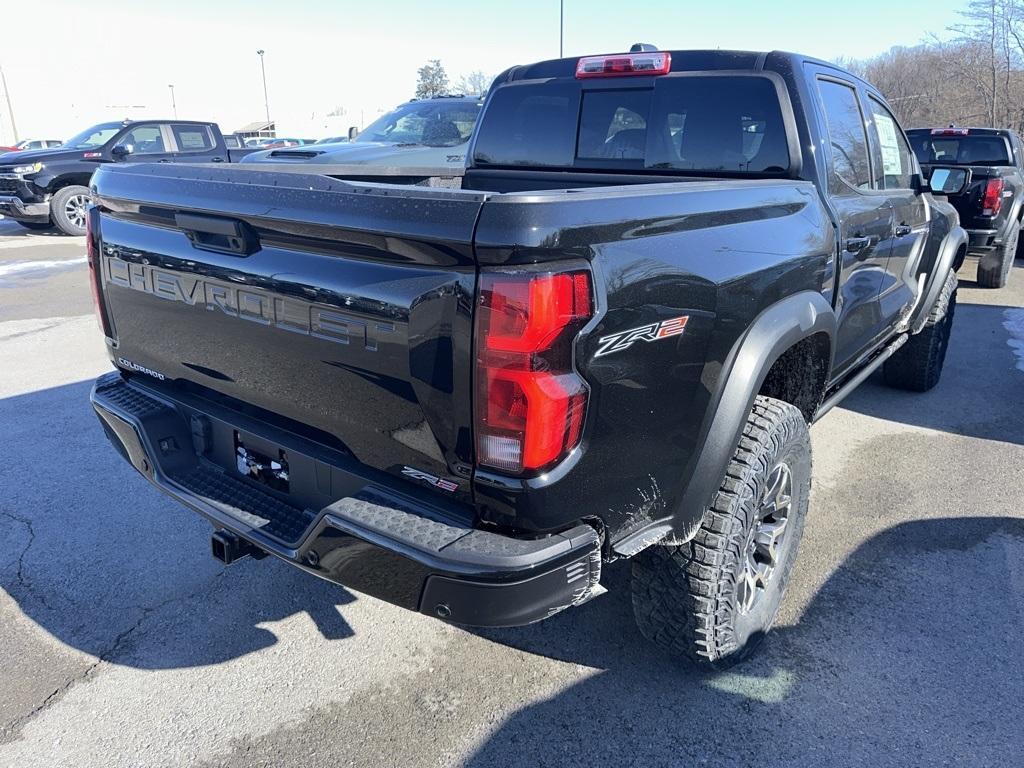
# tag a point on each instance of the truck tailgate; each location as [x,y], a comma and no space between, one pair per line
[341,312]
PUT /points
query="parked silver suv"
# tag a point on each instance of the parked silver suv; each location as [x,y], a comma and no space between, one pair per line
[423,133]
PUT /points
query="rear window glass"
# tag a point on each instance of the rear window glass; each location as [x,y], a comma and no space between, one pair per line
[614,125]
[704,124]
[529,125]
[960,150]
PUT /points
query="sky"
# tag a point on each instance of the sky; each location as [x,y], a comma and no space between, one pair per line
[99,60]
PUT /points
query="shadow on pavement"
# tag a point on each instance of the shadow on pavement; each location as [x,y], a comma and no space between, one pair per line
[12,229]
[968,400]
[90,550]
[909,655]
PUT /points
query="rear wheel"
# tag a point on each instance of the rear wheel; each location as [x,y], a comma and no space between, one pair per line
[38,226]
[713,599]
[68,209]
[994,271]
[917,365]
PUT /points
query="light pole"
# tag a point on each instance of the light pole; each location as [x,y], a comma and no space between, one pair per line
[561,28]
[174,104]
[10,109]
[266,101]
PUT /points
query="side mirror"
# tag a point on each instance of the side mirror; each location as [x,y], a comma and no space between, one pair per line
[121,151]
[352,133]
[949,181]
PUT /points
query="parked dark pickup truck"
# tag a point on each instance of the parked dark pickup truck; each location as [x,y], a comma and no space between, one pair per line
[50,187]
[609,343]
[991,206]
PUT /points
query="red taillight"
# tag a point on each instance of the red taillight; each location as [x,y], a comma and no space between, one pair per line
[92,256]
[624,64]
[992,202]
[950,132]
[530,401]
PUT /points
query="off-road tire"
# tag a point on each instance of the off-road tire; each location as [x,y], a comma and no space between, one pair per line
[60,214]
[995,273]
[917,365]
[685,597]
[37,226]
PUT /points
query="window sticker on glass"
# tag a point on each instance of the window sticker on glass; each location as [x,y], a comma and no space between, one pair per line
[891,163]
[191,140]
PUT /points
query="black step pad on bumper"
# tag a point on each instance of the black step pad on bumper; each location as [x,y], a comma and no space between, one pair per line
[375,540]
[259,510]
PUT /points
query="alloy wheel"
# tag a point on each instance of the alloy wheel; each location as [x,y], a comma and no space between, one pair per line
[75,210]
[761,554]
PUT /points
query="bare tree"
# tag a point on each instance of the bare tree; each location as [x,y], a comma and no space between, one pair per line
[475,83]
[976,78]
[981,33]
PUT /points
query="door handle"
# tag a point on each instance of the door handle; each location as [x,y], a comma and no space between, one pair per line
[165,160]
[902,230]
[216,159]
[857,244]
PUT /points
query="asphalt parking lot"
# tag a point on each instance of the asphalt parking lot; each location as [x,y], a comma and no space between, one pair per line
[125,644]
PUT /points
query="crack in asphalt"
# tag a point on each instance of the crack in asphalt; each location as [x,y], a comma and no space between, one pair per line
[9,730]
[20,575]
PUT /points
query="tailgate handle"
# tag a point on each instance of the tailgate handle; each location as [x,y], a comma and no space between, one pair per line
[213,233]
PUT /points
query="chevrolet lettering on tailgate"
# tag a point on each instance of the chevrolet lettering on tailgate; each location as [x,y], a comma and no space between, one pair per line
[286,313]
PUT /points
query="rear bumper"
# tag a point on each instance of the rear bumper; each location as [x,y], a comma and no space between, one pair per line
[982,240]
[373,540]
[16,208]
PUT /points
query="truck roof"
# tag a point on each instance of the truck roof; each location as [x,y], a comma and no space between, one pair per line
[963,130]
[682,61]
[450,97]
[167,120]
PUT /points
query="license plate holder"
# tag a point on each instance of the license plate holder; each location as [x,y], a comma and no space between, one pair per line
[262,467]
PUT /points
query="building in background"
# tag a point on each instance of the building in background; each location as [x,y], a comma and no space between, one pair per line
[258,130]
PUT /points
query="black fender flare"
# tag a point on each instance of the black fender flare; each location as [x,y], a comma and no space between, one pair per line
[1018,210]
[951,244]
[772,332]
[991,258]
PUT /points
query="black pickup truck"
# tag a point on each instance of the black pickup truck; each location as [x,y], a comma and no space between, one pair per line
[659,270]
[50,187]
[991,206]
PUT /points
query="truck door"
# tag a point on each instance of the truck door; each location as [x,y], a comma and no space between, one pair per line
[195,143]
[865,223]
[149,143]
[894,168]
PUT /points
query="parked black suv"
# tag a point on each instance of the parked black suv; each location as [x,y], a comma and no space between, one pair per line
[991,206]
[660,269]
[50,187]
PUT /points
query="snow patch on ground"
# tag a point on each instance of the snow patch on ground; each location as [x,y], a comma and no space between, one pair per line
[1013,321]
[23,268]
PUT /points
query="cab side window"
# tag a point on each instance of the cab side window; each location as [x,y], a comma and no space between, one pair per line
[192,138]
[145,140]
[848,140]
[890,154]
